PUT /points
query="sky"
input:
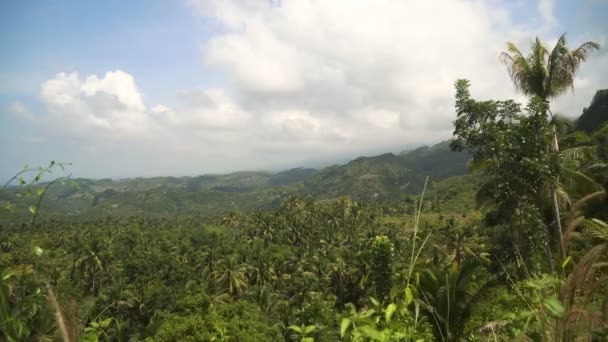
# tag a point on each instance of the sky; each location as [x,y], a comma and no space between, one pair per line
[155,88]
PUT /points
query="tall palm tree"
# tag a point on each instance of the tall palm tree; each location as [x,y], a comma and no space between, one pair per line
[547,74]
[232,276]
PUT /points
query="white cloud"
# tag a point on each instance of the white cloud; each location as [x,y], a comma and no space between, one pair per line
[211,109]
[112,103]
[546,10]
[388,64]
[311,79]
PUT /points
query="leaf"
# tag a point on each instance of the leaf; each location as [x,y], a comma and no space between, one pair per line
[296,329]
[390,310]
[90,335]
[309,329]
[33,209]
[409,296]
[6,276]
[372,333]
[374,301]
[416,310]
[40,191]
[344,326]
[21,181]
[106,322]
[553,305]
[38,251]
[566,262]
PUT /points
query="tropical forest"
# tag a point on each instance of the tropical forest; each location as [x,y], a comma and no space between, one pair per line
[497,231]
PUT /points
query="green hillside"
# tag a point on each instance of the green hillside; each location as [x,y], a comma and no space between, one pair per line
[383,177]
[387,175]
[596,114]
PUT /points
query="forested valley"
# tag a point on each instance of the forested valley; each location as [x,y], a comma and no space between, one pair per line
[499,234]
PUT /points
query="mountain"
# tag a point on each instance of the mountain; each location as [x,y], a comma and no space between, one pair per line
[596,114]
[292,176]
[387,176]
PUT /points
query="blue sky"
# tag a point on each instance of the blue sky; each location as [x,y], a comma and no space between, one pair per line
[157,40]
[128,88]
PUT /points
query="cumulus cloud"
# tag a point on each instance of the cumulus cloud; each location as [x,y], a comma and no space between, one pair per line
[308,80]
[112,103]
[387,64]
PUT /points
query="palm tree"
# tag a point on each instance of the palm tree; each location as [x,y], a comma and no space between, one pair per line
[339,276]
[88,267]
[232,276]
[547,74]
[448,293]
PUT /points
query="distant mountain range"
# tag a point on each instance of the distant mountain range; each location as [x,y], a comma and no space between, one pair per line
[382,177]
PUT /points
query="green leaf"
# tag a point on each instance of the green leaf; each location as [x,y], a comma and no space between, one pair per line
[566,262]
[372,333]
[38,251]
[32,209]
[90,335]
[409,296]
[344,326]
[296,329]
[40,191]
[374,301]
[6,276]
[106,322]
[553,305]
[309,329]
[390,310]
[21,181]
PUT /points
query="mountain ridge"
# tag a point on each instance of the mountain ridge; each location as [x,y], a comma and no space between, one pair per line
[386,176]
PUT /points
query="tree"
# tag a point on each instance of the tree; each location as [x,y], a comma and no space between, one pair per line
[512,148]
[232,277]
[547,75]
[448,292]
[382,269]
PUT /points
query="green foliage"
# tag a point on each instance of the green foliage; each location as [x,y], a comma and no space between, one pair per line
[511,147]
[240,321]
[397,267]
[574,139]
[393,322]
[596,115]
[23,311]
[382,270]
